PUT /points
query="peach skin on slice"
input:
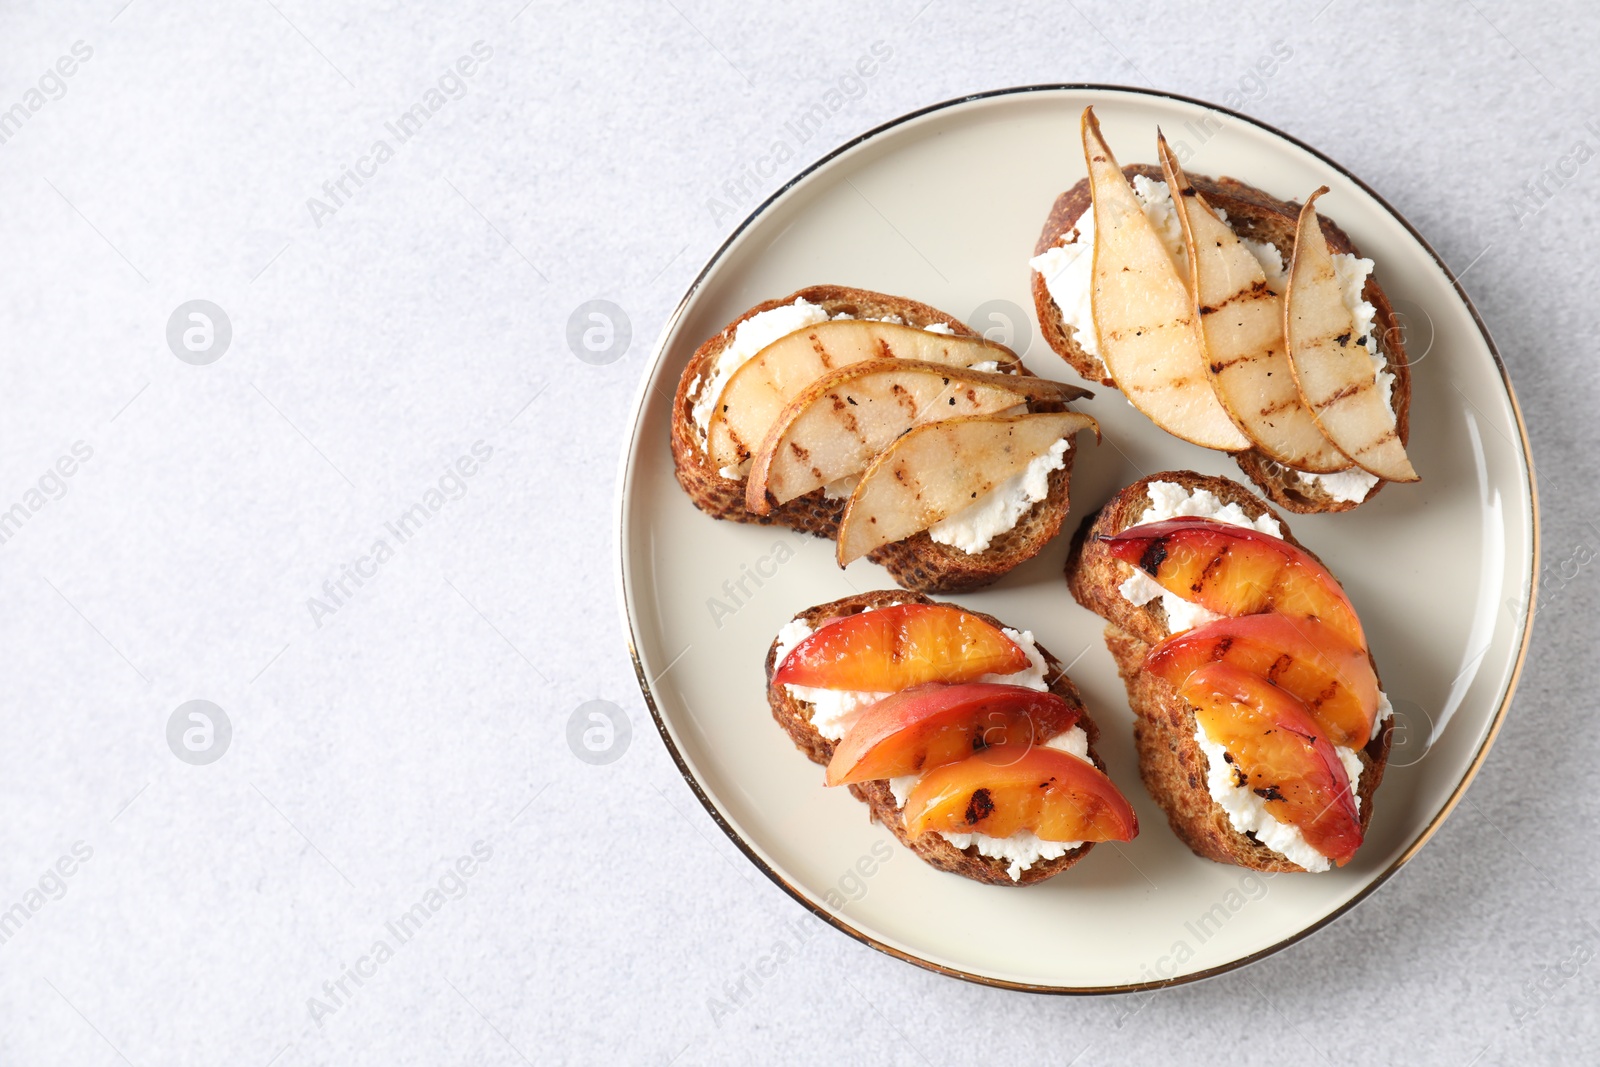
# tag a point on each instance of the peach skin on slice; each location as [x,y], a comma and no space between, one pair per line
[1232,570]
[932,725]
[1306,658]
[898,647]
[1279,753]
[1007,788]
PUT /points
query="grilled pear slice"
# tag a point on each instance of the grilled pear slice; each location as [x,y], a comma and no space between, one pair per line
[835,427]
[1148,331]
[1241,324]
[939,469]
[758,391]
[1333,371]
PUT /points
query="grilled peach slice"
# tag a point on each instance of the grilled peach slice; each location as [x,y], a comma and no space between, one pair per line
[1279,753]
[1233,570]
[1007,788]
[1306,658]
[931,725]
[898,647]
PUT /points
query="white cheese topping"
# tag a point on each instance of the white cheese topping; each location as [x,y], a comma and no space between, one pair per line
[975,526]
[1347,486]
[1182,615]
[756,333]
[834,711]
[1385,713]
[1169,500]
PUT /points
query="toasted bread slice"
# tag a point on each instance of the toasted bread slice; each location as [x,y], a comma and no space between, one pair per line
[1260,217]
[918,562]
[1171,761]
[795,717]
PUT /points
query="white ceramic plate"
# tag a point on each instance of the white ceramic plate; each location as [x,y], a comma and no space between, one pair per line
[944,206]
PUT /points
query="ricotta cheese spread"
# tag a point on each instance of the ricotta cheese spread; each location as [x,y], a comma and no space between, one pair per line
[1346,486]
[974,527]
[1247,812]
[834,711]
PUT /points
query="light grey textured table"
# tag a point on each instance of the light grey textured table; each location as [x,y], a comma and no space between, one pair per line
[396,726]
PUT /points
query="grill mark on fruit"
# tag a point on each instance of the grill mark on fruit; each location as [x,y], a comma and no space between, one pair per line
[884,349]
[1343,339]
[1219,652]
[980,807]
[1268,792]
[1257,291]
[1154,555]
[1383,439]
[1282,405]
[905,398]
[1279,665]
[1222,365]
[1347,391]
[1205,574]
[1326,695]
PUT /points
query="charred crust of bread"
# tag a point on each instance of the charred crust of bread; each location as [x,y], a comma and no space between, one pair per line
[795,718]
[918,562]
[1171,762]
[1260,217]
